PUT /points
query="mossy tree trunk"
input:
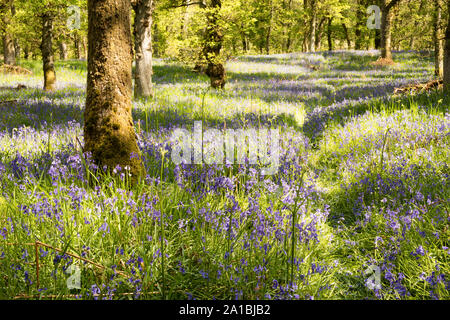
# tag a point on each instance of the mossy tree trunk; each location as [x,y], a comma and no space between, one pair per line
[447,54]
[143,9]
[63,54]
[213,46]
[9,52]
[437,35]
[76,44]
[48,59]
[386,24]
[329,34]
[359,29]
[109,131]
[312,27]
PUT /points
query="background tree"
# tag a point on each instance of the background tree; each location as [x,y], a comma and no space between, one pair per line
[143,47]
[437,35]
[386,21]
[8,11]
[447,53]
[108,130]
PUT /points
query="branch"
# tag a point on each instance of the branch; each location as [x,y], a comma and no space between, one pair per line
[200,3]
[391,4]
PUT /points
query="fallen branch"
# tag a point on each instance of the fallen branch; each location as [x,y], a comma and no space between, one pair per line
[38,243]
[434,84]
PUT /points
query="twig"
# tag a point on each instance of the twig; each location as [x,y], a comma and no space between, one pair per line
[38,243]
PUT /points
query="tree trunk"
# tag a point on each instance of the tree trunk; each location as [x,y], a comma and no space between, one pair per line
[213,45]
[386,21]
[17,49]
[347,36]
[244,41]
[329,35]
[377,39]
[438,48]
[312,27]
[319,31]
[77,46]
[62,51]
[9,53]
[447,54]
[26,52]
[359,35]
[143,9]
[269,29]
[47,52]
[109,131]
[155,40]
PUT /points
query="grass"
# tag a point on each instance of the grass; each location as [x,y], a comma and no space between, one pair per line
[363,181]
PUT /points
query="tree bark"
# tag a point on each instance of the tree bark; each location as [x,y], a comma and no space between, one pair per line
[377,39]
[17,49]
[347,36]
[269,29]
[319,31]
[62,50]
[213,45]
[77,46]
[143,9]
[359,35]
[48,60]
[312,27]
[438,48]
[9,53]
[447,54]
[386,21]
[26,52]
[109,131]
[329,35]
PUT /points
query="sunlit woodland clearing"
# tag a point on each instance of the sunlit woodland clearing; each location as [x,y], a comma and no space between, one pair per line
[362,181]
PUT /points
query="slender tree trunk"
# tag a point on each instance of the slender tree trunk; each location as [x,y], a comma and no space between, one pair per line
[9,53]
[244,41]
[312,27]
[213,45]
[62,50]
[359,36]
[269,29]
[17,49]
[438,48]
[412,42]
[386,19]
[447,54]
[109,131]
[377,39]
[26,52]
[347,36]
[319,32]
[47,52]
[84,45]
[143,9]
[329,35]
[155,40]
[77,46]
